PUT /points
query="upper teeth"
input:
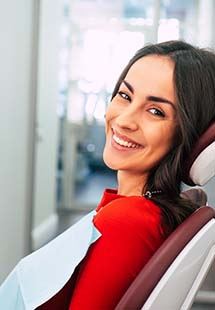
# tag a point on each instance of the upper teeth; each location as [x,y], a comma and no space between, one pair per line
[124,143]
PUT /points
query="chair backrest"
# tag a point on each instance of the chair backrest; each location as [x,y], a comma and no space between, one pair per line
[154,288]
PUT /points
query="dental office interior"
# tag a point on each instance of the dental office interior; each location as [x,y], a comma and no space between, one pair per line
[59,62]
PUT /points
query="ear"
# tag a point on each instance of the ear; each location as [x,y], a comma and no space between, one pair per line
[200,166]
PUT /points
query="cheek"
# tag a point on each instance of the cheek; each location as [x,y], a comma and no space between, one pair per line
[162,138]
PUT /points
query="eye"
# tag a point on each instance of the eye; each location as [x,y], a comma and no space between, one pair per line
[124,95]
[156,112]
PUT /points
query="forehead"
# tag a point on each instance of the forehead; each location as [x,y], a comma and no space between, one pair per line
[153,73]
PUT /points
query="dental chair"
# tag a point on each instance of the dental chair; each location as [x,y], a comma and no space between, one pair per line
[173,276]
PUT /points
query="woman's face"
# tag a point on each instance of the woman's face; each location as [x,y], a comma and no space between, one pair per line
[141,118]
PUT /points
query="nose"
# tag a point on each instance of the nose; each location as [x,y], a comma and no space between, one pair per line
[128,120]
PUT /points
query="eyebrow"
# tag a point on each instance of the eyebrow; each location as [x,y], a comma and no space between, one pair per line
[150,98]
[128,86]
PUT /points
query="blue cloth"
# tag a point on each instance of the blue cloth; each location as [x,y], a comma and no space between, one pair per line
[42,274]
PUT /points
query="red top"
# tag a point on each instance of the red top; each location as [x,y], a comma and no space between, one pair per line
[131,233]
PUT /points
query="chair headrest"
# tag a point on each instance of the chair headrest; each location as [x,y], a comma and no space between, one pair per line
[200,166]
[197,195]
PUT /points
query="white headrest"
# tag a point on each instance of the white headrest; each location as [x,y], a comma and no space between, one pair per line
[203,168]
[200,165]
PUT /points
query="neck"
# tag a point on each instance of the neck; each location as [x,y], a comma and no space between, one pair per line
[130,184]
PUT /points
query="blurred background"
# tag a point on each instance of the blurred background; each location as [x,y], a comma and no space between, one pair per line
[59,62]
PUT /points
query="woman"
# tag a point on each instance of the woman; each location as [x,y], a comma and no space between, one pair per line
[162,103]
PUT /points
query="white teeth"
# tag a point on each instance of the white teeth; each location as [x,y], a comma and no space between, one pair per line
[124,143]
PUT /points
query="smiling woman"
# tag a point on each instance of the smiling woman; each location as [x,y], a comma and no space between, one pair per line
[139,117]
[162,103]
[176,82]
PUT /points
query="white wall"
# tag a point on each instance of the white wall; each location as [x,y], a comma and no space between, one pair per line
[17,40]
[45,219]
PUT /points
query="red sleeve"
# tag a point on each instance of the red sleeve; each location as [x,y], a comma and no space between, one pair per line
[131,233]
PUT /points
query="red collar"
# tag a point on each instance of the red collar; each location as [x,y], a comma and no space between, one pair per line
[108,196]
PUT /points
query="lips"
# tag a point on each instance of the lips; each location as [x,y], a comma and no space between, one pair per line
[124,141]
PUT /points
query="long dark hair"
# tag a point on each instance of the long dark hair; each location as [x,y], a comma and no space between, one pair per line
[194,81]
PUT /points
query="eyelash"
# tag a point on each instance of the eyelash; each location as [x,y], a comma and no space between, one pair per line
[123,95]
[157,112]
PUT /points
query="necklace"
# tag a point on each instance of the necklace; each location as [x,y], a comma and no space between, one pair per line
[149,194]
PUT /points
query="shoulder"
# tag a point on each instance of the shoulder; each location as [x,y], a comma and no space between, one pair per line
[133,212]
[131,205]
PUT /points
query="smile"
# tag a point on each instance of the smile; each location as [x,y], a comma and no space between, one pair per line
[124,143]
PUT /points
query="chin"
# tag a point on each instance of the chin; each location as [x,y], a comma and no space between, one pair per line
[109,162]
[115,165]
